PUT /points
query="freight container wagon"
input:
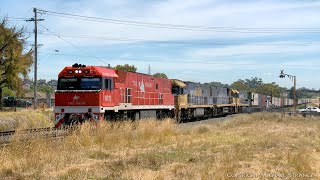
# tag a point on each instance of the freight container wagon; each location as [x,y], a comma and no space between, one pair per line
[253,99]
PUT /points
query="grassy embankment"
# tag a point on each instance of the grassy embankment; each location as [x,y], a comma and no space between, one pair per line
[25,119]
[252,144]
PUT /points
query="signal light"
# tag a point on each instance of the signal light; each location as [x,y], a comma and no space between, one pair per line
[282,75]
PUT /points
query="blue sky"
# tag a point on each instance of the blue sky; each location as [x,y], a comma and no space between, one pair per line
[283,40]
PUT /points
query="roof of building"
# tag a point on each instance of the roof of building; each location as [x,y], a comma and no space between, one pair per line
[40,95]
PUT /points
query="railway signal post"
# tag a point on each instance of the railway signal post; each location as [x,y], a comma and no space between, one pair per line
[293,79]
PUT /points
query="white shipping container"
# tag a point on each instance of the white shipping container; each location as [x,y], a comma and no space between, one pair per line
[254,97]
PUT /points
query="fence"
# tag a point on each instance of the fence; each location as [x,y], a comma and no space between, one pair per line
[12,102]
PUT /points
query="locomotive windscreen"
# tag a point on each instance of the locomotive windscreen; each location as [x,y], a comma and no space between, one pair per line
[91,83]
[79,84]
[68,83]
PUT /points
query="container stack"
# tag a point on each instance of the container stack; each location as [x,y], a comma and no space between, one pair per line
[203,94]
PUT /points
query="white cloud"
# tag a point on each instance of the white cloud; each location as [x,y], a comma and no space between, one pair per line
[203,12]
[247,13]
[288,47]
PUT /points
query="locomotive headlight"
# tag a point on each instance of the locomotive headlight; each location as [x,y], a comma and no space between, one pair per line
[76,71]
[79,71]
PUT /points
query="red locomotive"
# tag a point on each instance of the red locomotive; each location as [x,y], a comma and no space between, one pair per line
[95,92]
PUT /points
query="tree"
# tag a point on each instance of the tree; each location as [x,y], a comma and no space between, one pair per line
[254,83]
[270,89]
[217,84]
[126,67]
[300,93]
[160,75]
[7,92]
[240,85]
[247,84]
[46,89]
[15,62]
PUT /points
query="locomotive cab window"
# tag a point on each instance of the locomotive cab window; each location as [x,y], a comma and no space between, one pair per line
[91,83]
[68,84]
[108,84]
[176,90]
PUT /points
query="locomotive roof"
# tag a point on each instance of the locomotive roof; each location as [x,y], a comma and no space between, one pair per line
[103,71]
[140,73]
[177,82]
[106,71]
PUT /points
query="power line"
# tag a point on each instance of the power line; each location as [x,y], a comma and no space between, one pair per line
[168,25]
[197,41]
[191,62]
[17,18]
[185,27]
[73,44]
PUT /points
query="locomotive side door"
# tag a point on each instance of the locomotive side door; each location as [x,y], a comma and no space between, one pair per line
[128,95]
[108,92]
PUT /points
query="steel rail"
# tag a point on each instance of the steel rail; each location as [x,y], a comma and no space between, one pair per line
[48,132]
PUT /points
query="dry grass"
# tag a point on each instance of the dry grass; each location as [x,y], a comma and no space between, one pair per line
[25,119]
[262,144]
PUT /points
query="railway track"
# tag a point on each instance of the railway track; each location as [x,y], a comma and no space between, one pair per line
[52,132]
[48,132]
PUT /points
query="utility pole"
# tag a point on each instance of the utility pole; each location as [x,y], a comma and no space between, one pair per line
[295,94]
[35,19]
[294,80]
[149,69]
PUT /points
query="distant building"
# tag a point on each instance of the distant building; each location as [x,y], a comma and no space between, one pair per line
[26,86]
[53,83]
[27,83]
[42,82]
[42,98]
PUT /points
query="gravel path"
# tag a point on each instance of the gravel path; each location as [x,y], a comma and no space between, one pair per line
[207,121]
